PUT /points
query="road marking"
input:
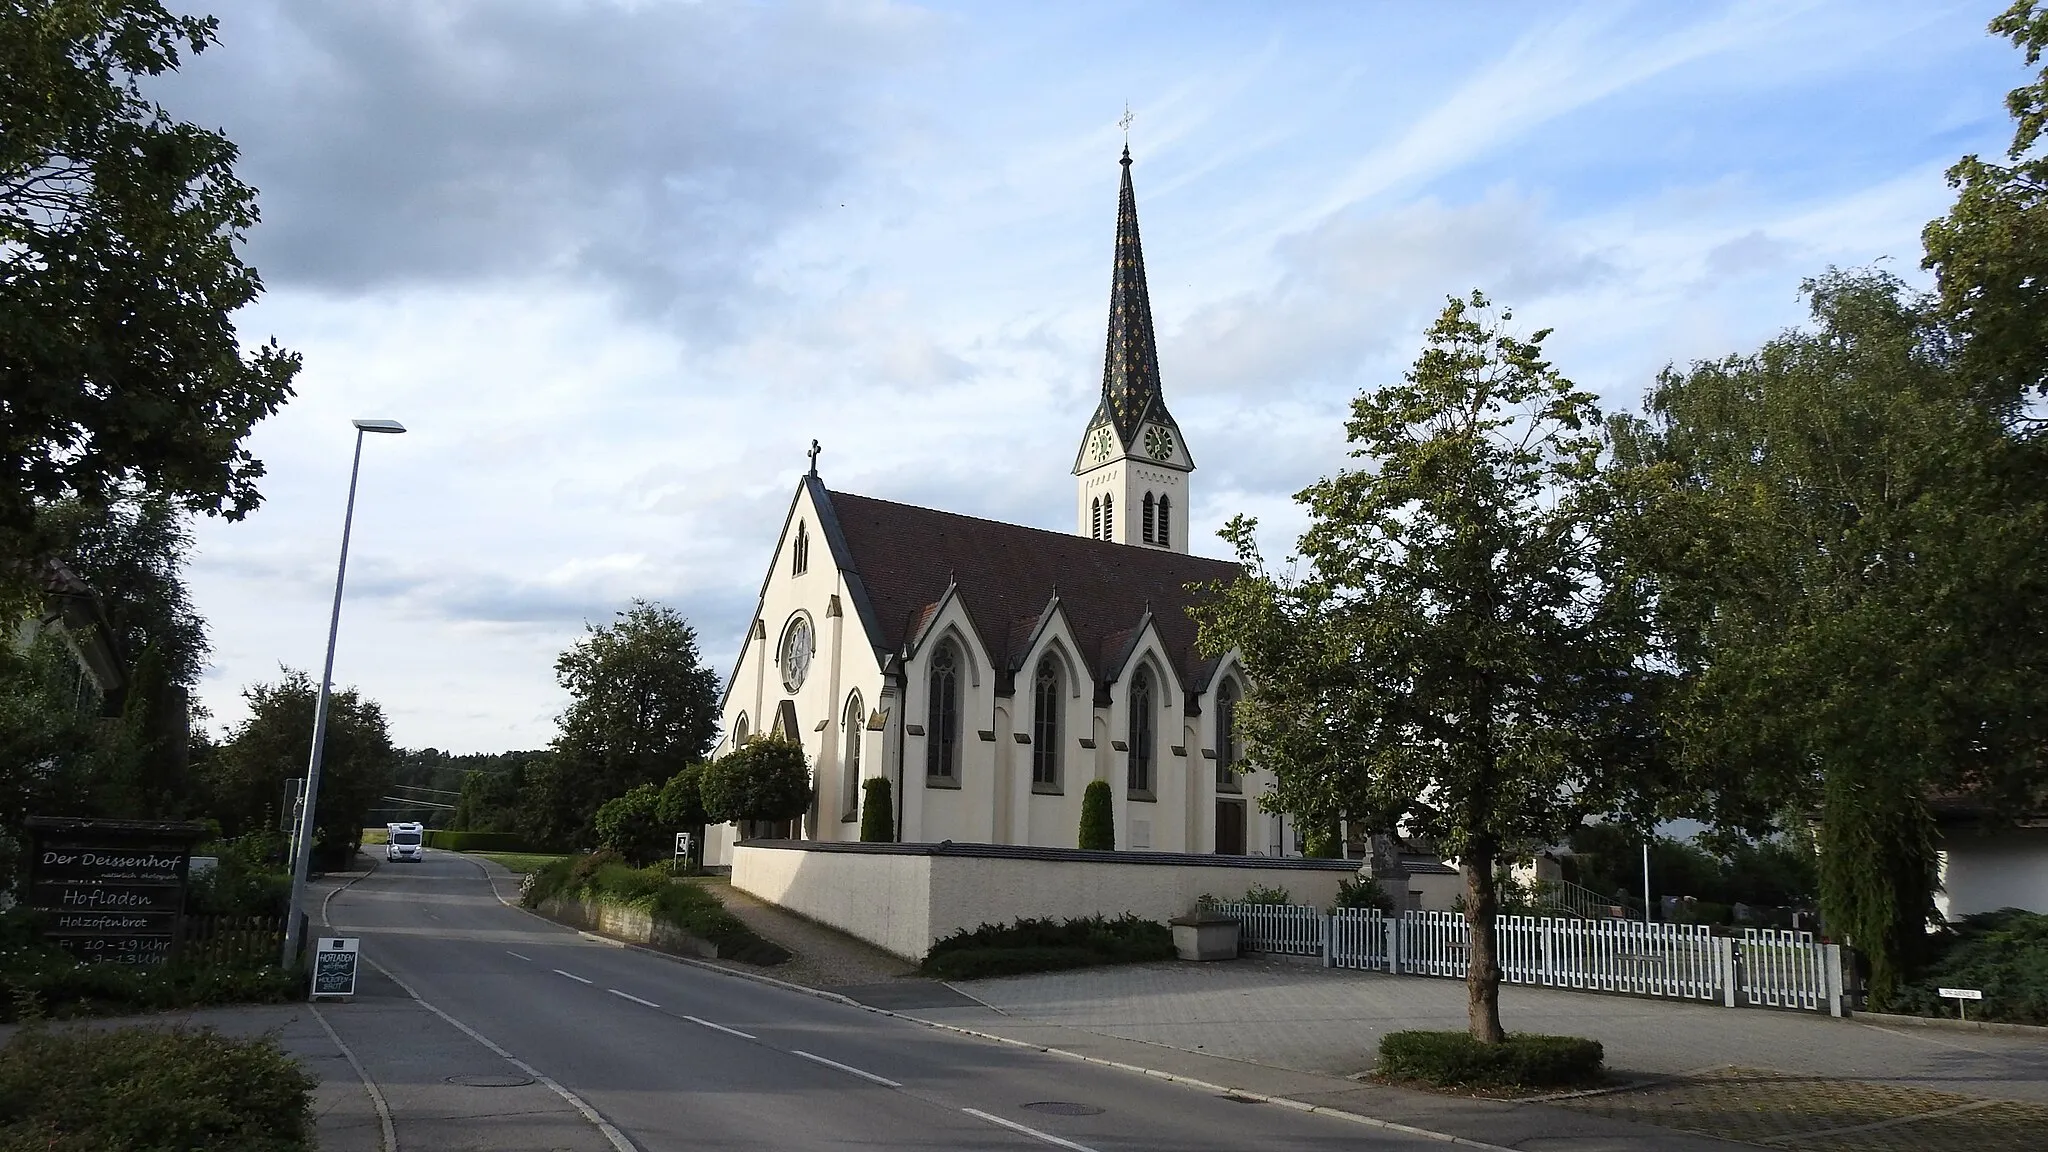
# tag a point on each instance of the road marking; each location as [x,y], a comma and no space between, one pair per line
[510,952]
[882,1080]
[573,976]
[719,1027]
[1034,1133]
[387,1131]
[633,998]
[618,1139]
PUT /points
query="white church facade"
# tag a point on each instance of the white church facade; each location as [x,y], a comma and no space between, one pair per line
[991,671]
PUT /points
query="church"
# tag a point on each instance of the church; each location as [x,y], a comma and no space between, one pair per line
[991,671]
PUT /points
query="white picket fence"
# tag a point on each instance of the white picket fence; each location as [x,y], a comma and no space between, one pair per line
[1762,968]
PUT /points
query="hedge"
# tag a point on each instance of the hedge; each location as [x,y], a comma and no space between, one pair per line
[475,841]
[605,877]
[151,1090]
[1523,1060]
[1046,946]
[2004,954]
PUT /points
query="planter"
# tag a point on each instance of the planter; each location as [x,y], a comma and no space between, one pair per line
[1205,937]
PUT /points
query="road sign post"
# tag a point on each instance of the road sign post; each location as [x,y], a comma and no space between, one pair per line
[334,966]
[1962,997]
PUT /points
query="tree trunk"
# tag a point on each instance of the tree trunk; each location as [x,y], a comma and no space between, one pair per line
[1482,974]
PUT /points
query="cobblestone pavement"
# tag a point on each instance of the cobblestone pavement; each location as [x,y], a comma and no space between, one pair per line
[1808,1112]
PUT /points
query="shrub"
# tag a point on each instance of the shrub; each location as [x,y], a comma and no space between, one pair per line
[680,804]
[1098,819]
[1364,892]
[2003,953]
[453,841]
[605,877]
[1258,895]
[37,981]
[1523,1060]
[766,778]
[1031,945]
[877,812]
[152,1090]
[630,826]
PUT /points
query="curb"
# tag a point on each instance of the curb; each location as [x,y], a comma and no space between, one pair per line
[1154,1073]
[2032,1031]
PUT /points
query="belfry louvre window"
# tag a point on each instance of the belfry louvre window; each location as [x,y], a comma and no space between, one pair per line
[1096,532]
[1139,778]
[1163,534]
[800,551]
[942,730]
[1109,517]
[1147,529]
[1045,725]
[849,769]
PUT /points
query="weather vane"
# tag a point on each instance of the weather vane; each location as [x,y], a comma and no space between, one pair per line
[1125,123]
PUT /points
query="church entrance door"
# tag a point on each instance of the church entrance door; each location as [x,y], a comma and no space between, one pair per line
[1230,827]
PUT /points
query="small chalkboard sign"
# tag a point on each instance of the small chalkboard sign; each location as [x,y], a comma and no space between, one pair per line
[334,966]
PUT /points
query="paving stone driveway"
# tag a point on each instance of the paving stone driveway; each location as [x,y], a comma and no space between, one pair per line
[1314,1019]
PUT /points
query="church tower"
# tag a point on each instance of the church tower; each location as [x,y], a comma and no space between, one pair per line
[1131,475]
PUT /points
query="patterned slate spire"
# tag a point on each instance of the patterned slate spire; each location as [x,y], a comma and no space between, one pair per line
[1130,361]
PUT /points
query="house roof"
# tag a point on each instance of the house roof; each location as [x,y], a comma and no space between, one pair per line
[1007,576]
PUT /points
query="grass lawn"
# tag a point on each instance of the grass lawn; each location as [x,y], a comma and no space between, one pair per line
[518,861]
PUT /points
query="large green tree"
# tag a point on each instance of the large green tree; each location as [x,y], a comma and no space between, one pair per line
[119,275]
[642,707]
[1855,540]
[247,774]
[1459,649]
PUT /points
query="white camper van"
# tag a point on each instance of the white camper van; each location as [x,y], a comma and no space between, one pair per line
[406,842]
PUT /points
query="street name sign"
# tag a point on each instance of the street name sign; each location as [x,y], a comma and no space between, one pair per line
[1962,997]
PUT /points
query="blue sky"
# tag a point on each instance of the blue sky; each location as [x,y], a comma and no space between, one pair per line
[616,264]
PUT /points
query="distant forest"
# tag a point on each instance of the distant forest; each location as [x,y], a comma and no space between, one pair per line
[426,783]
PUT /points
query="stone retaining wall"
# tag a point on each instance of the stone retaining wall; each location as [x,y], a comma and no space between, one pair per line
[623,923]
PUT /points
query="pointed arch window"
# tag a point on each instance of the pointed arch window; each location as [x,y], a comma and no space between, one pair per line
[1227,777]
[800,551]
[1096,531]
[856,722]
[1148,518]
[1141,722]
[1045,726]
[1109,517]
[942,727]
[1163,535]
[740,732]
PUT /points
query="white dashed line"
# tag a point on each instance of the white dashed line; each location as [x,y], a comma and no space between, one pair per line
[882,1080]
[1034,1133]
[510,952]
[719,1027]
[573,976]
[633,998]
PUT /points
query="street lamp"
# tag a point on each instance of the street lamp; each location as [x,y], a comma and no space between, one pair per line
[303,849]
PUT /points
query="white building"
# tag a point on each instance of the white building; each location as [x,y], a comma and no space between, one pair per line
[991,671]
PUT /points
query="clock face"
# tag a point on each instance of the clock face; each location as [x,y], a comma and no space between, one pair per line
[1099,445]
[797,645]
[1158,443]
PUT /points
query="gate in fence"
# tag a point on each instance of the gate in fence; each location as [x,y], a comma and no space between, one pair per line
[1762,968]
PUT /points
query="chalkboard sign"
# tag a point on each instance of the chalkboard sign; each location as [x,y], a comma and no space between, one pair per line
[334,966]
[111,890]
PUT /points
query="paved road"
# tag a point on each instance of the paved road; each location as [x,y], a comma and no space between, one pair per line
[676,1057]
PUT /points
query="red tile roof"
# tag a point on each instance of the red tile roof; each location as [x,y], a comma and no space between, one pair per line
[904,558]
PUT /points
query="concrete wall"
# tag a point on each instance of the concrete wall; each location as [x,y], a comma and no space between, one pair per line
[1983,871]
[902,900]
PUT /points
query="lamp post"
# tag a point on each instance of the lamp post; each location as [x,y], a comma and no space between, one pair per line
[303,847]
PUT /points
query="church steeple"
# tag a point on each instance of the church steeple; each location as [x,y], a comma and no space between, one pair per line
[1132,453]
[1130,358]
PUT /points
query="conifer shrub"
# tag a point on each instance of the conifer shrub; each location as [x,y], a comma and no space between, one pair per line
[1098,819]
[877,812]
[1523,1060]
[152,1090]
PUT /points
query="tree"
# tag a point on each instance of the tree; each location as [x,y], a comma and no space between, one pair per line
[1851,530]
[680,807]
[766,779]
[119,275]
[1462,651]
[877,811]
[247,776]
[631,826]
[643,707]
[1098,818]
